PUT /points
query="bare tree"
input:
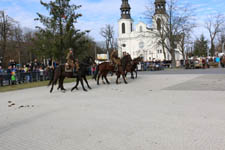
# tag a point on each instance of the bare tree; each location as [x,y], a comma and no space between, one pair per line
[213,24]
[6,24]
[220,41]
[18,35]
[108,34]
[173,28]
[187,25]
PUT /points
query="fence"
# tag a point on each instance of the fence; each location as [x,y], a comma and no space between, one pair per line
[21,77]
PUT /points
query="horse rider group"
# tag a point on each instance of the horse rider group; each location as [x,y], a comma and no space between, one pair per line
[74,66]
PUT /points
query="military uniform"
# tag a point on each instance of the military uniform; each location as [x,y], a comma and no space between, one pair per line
[70,61]
[114,58]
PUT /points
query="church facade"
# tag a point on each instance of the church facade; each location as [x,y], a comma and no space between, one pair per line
[140,40]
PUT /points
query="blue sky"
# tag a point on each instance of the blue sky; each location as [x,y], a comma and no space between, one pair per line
[98,13]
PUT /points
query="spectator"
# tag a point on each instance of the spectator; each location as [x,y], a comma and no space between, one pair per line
[93,69]
[36,65]
[12,63]
[9,70]
[41,73]
[13,77]
[1,70]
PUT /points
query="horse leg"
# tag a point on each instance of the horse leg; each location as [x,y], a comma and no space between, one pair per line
[135,73]
[81,80]
[132,75]
[98,78]
[75,87]
[103,79]
[52,88]
[123,75]
[61,83]
[117,78]
[106,79]
[85,79]
[59,86]
[53,83]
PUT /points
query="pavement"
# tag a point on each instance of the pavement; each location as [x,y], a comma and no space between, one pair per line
[156,111]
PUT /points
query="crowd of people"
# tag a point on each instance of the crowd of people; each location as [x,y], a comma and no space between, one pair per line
[205,62]
[29,72]
[15,73]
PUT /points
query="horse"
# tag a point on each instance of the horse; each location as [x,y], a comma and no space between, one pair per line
[59,74]
[133,66]
[104,68]
[222,61]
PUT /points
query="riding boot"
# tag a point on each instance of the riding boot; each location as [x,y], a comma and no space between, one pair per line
[116,68]
[74,72]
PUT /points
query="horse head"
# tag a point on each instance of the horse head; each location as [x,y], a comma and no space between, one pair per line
[127,58]
[138,59]
[89,60]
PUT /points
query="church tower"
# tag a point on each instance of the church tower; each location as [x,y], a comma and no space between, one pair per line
[160,17]
[160,7]
[125,22]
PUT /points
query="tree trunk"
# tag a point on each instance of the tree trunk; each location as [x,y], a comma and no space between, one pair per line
[212,51]
[173,58]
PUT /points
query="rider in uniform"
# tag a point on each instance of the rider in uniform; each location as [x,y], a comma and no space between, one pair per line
[115,59]
[70,61]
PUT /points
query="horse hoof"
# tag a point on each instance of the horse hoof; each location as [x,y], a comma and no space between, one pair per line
[77,89]
[90,88]
[85,90]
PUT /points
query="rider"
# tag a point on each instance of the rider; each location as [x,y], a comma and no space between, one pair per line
[115,59]
[70,60]
[77,64]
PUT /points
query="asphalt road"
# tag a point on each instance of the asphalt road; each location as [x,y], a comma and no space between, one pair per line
[171,109]
[187,71]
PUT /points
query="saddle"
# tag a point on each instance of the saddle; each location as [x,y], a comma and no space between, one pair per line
[68,68]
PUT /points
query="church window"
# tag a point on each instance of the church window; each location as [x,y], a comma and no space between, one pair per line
[141,29]
[123,28]
[131,27]
[158,24]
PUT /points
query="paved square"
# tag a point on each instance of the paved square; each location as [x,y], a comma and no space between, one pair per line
[157,111]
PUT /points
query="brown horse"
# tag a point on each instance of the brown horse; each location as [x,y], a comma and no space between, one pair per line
[59,75]
[222,61]
[104,68]
[131,67]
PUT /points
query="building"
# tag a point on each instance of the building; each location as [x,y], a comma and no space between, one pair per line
[142,40]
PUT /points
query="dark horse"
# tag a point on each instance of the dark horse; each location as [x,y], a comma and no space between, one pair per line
[131,67]
[104,68]
[59,75]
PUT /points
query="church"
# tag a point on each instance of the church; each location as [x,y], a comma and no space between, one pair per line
[142,40]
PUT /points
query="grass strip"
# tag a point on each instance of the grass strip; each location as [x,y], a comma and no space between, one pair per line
[32,85]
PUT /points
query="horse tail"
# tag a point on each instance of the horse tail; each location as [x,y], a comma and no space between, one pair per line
[96,72]
[52,72]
